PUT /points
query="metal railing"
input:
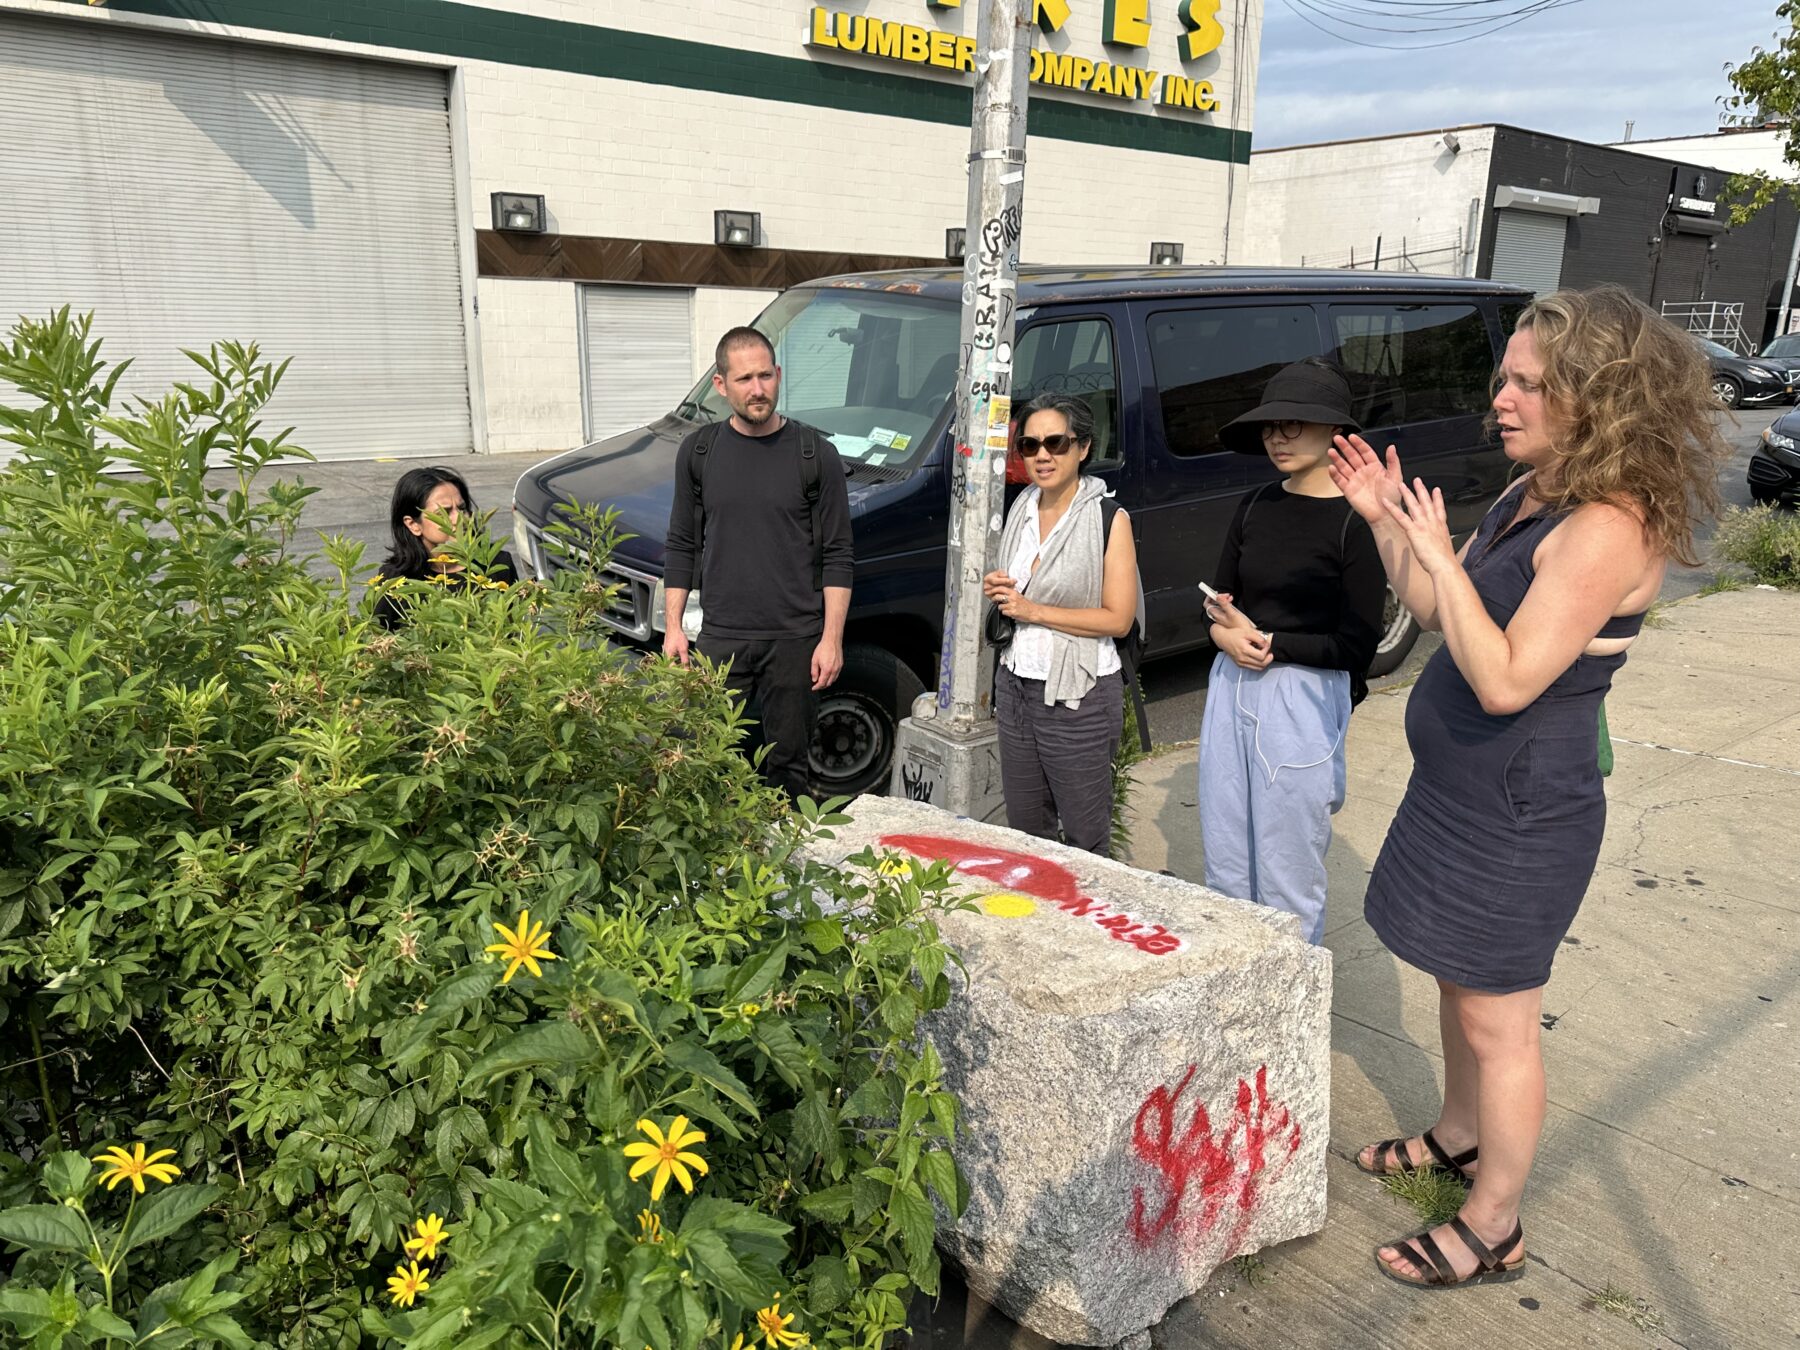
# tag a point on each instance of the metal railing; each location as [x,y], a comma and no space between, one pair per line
[1441,255]
[1722,322]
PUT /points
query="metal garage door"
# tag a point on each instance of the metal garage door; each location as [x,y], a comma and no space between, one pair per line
[637,346]
[1528,250]
[191,190]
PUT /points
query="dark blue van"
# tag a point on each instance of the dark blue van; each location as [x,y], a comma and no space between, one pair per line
[1166,356]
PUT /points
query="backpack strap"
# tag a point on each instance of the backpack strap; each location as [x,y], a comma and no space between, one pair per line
[809,491]
[1131,646]
[701,443]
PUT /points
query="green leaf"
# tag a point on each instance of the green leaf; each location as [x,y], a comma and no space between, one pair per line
[715,1263]
[557,1044]
[28,1310]
[620,993]
[815,1130]
[938,1169]
[66,1175]
[867,1194]
[54,1228]
[831,1204]
[167,1212]
[777,1040]
[899,1012]
[553,1166]
[823,935]
[687,1057]
[457,992]
[911,1213]
[828,1285]
[757,976]
[104,1322]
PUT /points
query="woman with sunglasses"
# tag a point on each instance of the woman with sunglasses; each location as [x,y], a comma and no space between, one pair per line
[1070,586]
[1296,621]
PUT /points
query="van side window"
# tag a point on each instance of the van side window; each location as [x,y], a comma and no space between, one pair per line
[1211,365]
[1510,310]
[1413,363]
[1074,356]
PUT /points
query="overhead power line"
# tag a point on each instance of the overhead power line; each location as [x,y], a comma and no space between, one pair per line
[1471,19]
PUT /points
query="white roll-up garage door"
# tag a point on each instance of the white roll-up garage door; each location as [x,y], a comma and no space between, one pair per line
[1528,250]
[189,190]
[638,345]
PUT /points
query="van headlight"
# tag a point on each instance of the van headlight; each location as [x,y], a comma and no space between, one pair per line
[1776,439]
[690,615]
[523,550]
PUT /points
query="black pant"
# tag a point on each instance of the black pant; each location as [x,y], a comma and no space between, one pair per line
[1056,762]
[773,677]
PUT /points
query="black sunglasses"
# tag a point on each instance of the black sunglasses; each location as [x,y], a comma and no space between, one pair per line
[1057,445]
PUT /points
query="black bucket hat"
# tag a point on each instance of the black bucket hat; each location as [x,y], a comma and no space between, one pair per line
[1307,391]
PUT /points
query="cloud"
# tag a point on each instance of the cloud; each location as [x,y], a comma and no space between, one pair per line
[1580,71]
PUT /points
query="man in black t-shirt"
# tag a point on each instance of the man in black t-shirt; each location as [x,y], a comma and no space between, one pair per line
[761,519]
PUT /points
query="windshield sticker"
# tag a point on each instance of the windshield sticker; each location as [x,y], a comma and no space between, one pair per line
[882,436]
[900,442]
[876,461]
[850,447]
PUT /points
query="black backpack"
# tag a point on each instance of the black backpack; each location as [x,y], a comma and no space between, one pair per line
[702,442]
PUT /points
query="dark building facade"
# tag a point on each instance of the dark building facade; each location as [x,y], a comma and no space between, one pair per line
[1657,227]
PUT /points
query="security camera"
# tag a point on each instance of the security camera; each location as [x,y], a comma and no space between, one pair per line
[1450,142]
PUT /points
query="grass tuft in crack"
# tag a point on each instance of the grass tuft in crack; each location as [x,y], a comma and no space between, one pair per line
[1435,1194]
[1251,1270]
[1623,1304]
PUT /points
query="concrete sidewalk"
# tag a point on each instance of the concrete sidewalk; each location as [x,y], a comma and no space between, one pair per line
[1670,1167]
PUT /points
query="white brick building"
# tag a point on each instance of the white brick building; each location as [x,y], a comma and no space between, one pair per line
[318,175]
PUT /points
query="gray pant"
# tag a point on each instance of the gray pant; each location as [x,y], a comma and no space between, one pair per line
[1056,762]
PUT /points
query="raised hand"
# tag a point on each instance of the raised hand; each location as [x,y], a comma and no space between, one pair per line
[1421,514]
[1367,484]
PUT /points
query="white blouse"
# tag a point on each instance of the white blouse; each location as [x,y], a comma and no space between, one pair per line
[1028,654]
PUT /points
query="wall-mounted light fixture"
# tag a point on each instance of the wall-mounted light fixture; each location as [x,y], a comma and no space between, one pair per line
[518,212]
[1165,255]
[737,229]
[956,243]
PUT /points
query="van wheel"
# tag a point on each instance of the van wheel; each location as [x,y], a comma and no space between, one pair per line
[1399,630]
[859,720]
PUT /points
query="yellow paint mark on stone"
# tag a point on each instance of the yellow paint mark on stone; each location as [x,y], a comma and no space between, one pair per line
[894,867]
[1009,906]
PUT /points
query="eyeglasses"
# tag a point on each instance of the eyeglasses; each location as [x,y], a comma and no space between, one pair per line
[1286,430]
[1056,445]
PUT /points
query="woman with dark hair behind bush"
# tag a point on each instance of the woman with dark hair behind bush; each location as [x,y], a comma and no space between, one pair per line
[429,505]
[1070,588]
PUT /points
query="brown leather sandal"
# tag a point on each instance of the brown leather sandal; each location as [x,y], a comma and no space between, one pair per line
[1391,1154]
[1439,1273]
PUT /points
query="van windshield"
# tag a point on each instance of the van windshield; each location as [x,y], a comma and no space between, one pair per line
[870,369]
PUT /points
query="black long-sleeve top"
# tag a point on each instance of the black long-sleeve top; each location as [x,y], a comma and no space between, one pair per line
[756,572]
[1306,570]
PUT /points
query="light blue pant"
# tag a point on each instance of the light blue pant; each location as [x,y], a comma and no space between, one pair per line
[1271,777]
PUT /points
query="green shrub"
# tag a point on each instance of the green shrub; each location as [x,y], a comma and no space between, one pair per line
[1764,541]
[254,853]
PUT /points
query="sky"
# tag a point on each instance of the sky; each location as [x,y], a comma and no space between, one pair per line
[1580,71]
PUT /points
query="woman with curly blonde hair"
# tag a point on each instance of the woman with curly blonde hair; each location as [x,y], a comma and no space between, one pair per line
[1609,409]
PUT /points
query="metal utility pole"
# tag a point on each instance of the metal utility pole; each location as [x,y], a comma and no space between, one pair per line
[1787,290]
[951,758]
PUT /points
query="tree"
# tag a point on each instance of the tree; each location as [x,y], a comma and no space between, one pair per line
[1767,89]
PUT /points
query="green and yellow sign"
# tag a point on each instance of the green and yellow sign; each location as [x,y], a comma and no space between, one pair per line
[1125,23]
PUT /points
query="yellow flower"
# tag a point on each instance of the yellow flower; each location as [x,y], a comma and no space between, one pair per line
[665,1154]
[739,1343]
[649,1227]
[749,1009]
[134,1167]
[428,1236]
[524,947]
[407,1283]
[773,1326]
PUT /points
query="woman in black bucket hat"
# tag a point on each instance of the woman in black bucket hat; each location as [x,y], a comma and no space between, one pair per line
[1296,621]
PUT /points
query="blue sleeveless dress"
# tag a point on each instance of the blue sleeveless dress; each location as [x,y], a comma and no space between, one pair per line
[1495,841]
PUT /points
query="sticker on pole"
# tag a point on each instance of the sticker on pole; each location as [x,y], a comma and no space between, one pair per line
[999,422]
